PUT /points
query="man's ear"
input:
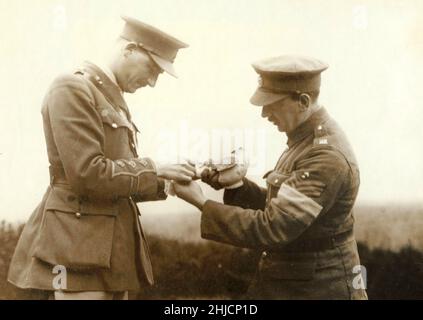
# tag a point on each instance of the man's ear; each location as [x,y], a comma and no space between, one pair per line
[129,48]
[304,101]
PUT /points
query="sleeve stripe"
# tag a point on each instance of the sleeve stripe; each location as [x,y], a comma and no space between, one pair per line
[296,203]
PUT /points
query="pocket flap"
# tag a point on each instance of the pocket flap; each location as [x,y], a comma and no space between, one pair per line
[267,174]
[113,119]
[65,200]
[276,179]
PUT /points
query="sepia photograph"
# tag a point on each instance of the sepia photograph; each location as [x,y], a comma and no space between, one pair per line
[220,151]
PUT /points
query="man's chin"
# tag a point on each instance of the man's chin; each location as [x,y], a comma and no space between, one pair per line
[130,90]
[134,89]
[280,129]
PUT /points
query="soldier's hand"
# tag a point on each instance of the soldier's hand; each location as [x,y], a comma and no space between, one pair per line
[191,193]
[211,177]
[178,172]
[232,177]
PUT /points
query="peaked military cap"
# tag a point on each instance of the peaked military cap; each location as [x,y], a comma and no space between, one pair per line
[161,46]
[283,75]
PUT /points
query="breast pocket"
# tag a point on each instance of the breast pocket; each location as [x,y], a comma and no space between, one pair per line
[274,181]
[120,134]
[76,235]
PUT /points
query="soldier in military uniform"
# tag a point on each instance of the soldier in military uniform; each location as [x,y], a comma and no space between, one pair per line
[87,221]
[303,222]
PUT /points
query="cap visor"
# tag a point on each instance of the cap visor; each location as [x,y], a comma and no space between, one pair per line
[164,64]
[263,98]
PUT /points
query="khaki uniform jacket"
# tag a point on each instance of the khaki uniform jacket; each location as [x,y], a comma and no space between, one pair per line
[88,220]
[308,242]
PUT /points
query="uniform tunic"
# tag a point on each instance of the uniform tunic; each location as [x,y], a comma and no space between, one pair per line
[88,220]
[309,250]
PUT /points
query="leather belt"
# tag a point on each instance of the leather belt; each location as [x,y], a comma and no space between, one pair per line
[58,177]
[318,244]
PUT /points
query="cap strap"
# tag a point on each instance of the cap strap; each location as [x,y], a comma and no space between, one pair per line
[147,48]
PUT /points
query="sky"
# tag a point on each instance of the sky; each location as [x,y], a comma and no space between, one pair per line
[372,87]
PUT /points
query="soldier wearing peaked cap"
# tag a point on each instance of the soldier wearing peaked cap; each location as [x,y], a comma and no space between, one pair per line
[87,221]
[302,223]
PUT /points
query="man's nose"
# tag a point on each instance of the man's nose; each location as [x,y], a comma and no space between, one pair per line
[265,112]
[152,80]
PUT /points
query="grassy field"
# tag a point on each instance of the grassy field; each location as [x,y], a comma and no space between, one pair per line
[185,266]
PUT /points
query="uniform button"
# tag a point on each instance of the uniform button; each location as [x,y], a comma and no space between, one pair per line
[305,175]
[98,80]
[276,180]
[319,128]
[264,254]
[114,125]
[78,215]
